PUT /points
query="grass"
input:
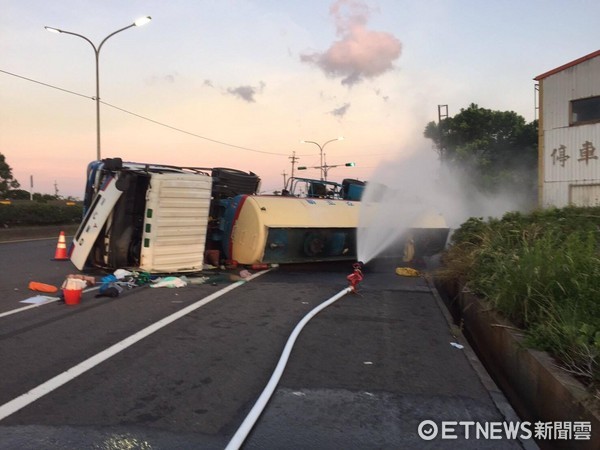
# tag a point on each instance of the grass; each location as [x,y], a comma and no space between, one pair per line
[542,272]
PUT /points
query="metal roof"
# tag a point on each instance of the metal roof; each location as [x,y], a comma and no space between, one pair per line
[566,66]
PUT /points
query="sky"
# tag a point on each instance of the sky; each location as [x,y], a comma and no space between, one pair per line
[240,83]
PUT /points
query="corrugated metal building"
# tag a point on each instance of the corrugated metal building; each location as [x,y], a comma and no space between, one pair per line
[569,133]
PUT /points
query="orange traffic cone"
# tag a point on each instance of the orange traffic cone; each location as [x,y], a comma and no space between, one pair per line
[61,248]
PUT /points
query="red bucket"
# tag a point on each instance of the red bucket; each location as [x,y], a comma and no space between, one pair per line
[72,296]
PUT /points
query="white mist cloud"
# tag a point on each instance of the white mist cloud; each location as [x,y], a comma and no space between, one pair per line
[360,53]
[403,191]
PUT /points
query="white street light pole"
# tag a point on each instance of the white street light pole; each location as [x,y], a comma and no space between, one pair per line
[321,148]
[137,23]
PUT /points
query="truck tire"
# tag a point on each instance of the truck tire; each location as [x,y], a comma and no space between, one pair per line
[231,182]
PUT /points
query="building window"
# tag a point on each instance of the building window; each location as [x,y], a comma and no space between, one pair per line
[585,110]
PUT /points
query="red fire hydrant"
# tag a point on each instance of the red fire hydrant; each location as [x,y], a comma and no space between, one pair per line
[355,277]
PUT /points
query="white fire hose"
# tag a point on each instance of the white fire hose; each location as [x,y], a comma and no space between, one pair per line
[240,435]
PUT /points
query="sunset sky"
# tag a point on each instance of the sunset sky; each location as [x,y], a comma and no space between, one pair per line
[239,83]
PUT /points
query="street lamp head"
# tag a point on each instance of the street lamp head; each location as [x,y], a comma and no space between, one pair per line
[139,22]
[341,138]
[142,21]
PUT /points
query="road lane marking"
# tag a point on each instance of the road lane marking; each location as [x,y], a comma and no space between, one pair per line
[50,300]
[45,388]
[18,241]
[25,308]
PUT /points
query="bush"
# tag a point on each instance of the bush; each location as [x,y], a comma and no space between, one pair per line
[22,213]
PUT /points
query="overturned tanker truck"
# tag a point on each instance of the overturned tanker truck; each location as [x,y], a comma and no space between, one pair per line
[165,219]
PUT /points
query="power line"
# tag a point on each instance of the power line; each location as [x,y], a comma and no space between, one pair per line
[190,133]
[145,118]
[46,84]
[156,122]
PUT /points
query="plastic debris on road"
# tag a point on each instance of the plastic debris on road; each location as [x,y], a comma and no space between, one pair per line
[407,272]
[169,282]
[196,280]
[74,284]
[42,287]
[113,285]
[122,273]
[38,300]
[88,279]
[244,273]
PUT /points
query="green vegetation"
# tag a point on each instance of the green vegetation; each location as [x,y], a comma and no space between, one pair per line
[542,272]
[7,181]
[53,212]
[491,150]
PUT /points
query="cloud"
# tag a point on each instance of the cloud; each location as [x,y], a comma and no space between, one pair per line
[168,78]
[379,94]
[247,92]
[341,111]
[360,53]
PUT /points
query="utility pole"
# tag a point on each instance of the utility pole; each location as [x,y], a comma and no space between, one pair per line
[284,179]
[293,158]
[442,114]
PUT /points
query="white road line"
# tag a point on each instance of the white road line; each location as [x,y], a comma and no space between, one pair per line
[25,308]
[27,240]
[45,388]
[51,300]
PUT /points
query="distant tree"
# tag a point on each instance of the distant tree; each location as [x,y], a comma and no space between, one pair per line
[43,198]
[18,194]
[7,181]
[495,149]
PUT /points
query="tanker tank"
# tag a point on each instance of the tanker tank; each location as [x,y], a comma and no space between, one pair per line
[288,229]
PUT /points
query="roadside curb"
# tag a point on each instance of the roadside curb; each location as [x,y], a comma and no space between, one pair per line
[538,390]
[496,394]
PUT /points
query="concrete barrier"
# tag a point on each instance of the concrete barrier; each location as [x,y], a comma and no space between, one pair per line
[537,389]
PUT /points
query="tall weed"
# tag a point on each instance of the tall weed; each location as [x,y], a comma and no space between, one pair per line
[542,271]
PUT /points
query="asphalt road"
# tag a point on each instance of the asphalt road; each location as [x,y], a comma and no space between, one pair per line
[364,373]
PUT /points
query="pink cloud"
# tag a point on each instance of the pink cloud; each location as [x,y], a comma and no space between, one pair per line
[360,53]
